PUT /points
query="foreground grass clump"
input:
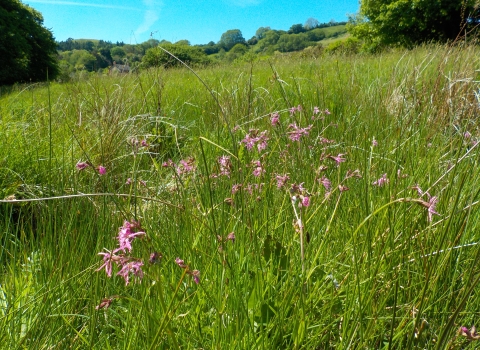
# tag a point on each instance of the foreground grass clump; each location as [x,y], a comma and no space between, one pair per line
[297,204]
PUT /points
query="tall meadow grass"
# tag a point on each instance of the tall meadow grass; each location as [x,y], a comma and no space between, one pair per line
[294,203]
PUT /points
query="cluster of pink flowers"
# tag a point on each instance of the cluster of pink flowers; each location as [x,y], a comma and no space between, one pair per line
[184,166]
[299,192]
[298,132]
[255,138]
[128,265]
[381,181]
[225,165]
[83,165]
[258,168]
[282,180]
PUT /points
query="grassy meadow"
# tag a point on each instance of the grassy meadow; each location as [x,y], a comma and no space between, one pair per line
[293,203]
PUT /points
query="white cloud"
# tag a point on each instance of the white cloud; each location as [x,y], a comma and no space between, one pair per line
[152,14]
[83,4]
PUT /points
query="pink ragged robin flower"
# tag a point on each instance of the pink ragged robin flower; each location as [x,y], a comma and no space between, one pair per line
[338,159]
[374,142]
[327,111]
[186,166]
[132,267]
[471,333]
[297,132]
[292,110]
[282,180]
[231,237]
[316,110]
[196,276]
[101,170]
[326,183]
[181,263]
[275,119]
[144,144]
[381,181]
[128,232]
[305,201]
[82,165]
[258,169]
[107,263]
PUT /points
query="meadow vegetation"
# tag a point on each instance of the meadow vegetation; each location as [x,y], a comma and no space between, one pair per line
[304,202]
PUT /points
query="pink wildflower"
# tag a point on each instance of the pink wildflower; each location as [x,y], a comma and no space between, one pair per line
[231,237]
[129,181]
[305,201]
[275,119]
[258,168]
[326,183]
[225,165]
[249,141]
[132,267]
[196,276]
[186,166]
[107,263]
[292,110]
[471,334]
[282,180]
[374,143]
[181,263]
[101,170]
[82,165]
[338,159]
[316,110]
[168,163]
[127,234]
[327,112]
[236,188]
[297,132]
[381,181]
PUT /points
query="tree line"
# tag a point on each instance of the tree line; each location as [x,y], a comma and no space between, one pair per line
[28,51]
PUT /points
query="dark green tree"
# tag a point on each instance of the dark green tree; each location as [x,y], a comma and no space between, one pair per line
[296,28]
[411,22]
[27,49]
[230,38]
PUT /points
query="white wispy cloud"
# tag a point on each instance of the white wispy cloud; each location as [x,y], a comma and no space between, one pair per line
[152,14]
[84,4]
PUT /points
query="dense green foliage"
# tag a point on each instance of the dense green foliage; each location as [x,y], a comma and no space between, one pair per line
[156,57]
[27,49]
[412,22]
[93,55]
[383,254]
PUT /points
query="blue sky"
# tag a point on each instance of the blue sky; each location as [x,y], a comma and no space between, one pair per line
[198,21]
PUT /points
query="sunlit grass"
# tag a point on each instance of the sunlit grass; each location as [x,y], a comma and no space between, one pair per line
[346,254]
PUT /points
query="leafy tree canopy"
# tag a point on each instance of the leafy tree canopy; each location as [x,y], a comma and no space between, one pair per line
[411,22]
[156,57]
[27,49]
[230,38]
